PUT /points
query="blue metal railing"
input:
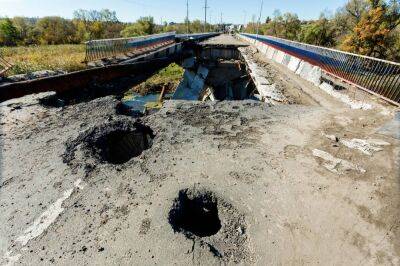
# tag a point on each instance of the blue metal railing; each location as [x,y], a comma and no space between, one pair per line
[376,76]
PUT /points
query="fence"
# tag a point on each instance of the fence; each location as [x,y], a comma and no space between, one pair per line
[374,75]
[101,49]
[4,65]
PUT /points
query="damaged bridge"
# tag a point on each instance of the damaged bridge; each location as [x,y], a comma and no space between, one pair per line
[266,152]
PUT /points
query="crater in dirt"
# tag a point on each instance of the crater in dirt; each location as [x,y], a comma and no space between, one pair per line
[196,215]
[211,221]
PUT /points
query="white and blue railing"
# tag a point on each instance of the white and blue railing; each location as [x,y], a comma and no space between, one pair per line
[374,75]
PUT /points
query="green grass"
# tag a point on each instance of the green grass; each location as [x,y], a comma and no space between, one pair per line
[171,74]
[169,77]
[27,59]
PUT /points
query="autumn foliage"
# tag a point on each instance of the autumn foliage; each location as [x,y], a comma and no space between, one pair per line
[372,35]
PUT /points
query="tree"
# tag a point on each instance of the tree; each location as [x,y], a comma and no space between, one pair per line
[55,30]
[356,9]
[143,26]
[320,32]
[93,24]
[8,33]
[372,35]
[291,26]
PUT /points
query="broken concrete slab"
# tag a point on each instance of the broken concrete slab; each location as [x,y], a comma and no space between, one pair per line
[266,88]
[337,165]
[192,85]
[354,104]
[366,146]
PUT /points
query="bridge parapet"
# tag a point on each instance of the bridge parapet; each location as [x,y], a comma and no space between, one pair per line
[376,76]
[107,48]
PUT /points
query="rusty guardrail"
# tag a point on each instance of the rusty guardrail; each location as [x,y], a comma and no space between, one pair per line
[377,76]
[4,65]
[108,48]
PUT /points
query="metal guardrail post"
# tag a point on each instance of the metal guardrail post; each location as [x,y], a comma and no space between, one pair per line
[377,76]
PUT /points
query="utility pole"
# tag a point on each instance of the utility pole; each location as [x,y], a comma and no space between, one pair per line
[187,17]
[245,18]
[220,23]
[210,20]
[259,18]
[205,15]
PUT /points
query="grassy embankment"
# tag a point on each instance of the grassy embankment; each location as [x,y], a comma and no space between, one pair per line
[27,59]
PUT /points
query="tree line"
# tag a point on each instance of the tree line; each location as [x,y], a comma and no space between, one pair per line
[367,27]
[85,25]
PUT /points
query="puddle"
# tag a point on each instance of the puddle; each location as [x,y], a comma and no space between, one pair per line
[137,105]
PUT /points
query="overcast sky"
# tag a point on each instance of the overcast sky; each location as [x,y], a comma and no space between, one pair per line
[233,11]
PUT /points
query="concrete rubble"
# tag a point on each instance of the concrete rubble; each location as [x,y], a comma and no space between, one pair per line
[266,88]
[192,85]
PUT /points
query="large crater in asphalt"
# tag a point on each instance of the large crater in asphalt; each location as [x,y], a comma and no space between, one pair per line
[119,146]
[115,143]
[196,215]
[214,223]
